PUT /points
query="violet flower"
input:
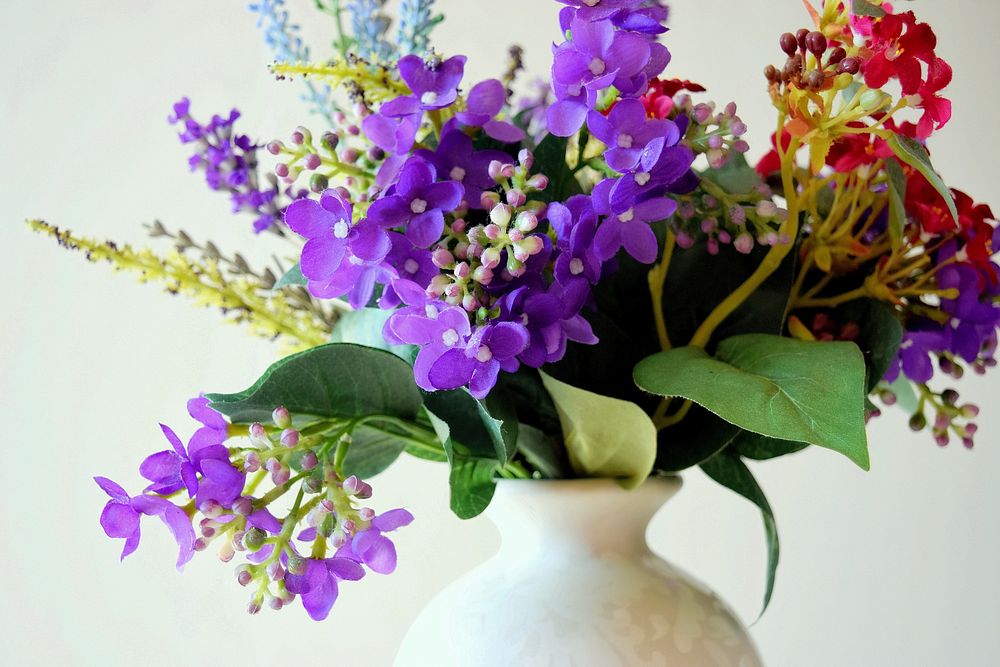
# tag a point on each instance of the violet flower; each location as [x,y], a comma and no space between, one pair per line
[484,102]
[477,364]
[317,584]
[417,203]
[627,226]
[456,159]
[627,131]
[121,514]
[371,547]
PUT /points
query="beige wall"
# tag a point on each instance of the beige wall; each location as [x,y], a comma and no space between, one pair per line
[893,567]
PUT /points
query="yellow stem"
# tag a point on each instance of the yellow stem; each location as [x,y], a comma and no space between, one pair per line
[657,281]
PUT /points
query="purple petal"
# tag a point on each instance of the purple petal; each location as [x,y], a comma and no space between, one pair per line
[112,489]
[507,339]
[484,378]
[200,410]
[370,243]
[565,117]
[161,466]
[381,555]
[425,229]
[119,519]
[451,370]
[401,106]
[503,131]
[307,535]
[629,53]
[175,442]
[393,519]
[446,195]
[594,38]
[639,240]
[307,218]
[179,524]
[322,256]
[608,240]
[345,568]
[417,174]
[264,520]
[390,211]
[486,97]
[319,601]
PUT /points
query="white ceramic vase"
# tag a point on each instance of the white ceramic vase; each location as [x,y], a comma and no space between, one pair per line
[575,584]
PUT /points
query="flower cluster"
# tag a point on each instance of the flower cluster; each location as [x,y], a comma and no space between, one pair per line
[229,162]
[338,537]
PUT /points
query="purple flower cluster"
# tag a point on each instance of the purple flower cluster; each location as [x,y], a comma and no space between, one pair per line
[229,161]
[214,478]
[612,47]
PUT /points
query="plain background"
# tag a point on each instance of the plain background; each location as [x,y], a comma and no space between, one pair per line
[893,567]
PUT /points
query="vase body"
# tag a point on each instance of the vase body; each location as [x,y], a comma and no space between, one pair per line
[574,584]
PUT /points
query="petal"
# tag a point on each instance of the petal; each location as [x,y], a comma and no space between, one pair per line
[655,209]
[119,519]
[487,97]
[112,489]
[390,211]
[381,556]
[200,410]
[401,106]
[484,378]
[507,339]
[162,466]
[446,195]
[370,243]
[628,54]
[451,370]
[345,568]
[503,131]
[608,240]
[425,229]
[264,520]
[339,207]
[393,519]
[565,117]
[174,441]
[180,526]
[322,256]
[639,240]
[307,218]
[593,38]
[417,174]
[319,601]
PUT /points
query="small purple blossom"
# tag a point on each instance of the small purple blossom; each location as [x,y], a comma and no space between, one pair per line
[484,102]
[418,204]
[627,132]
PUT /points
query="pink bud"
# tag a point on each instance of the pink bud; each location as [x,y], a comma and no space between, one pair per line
[366,513]
[743,243]
[526,158]
[290,437]
[351,485]
[442,258]
[243,506]
[281,417]
[538,182]
[495,170]
[309,460]
[516,198]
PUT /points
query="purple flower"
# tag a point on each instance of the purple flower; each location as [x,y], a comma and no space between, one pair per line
[120,519]
[394,128]
[371,547]
[576,227]
[413,265]
[597,57]
[550,317]
[214,427]
[477,364]
[456,159]
[418,204]
[595,10]
[317,584]
[628,225]
[433,326]
[627,132]
[436,86]
[664,166]
[484,102]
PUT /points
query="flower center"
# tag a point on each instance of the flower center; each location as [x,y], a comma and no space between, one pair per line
[411,266]
[431,312]
[449,337]
[430,97]
[341,229]
[576,266]
[627,216]
[418,206]
[484,354]
[457,174]
[591,3]
[574,90]
[597,67]
[642,178]
[624,141]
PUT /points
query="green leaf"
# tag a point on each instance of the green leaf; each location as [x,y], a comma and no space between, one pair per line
[336,380]
[897,199]
[906,397]
[697,438]
[775,386]
[915,155]
[729,470]
[605,437]
[761,447]
[292,277]
[543,452]
[736,177]
[698,281]
[865,8]
[550,159]
[879,338]
[472,425]
[371,452]
[472,486]
[364,327]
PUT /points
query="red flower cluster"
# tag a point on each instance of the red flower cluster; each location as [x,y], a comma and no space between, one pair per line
[900,48]
[659,99]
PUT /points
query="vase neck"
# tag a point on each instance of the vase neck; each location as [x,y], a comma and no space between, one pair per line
[595,515]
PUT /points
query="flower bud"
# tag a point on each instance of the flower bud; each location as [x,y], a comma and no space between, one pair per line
[290,437]
[538,182]
[226,552]
[516,198]
[500,215]
[495,170]
[243,506]
[744,243]
[309,460]
[274,147]
[526,158]
[918,422]
[254,539]
[366,513]
[491,258]
[488,199]
[258,436]
[318,182]
[253,607]
[296,564]
[243,576]
[281,417]
[352,485]
[274,571]
[281,475]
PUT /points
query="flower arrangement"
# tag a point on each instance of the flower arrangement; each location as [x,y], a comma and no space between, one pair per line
[589,282]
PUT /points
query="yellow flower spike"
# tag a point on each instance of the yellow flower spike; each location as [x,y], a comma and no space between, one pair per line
[378,83]
[243,300]
[799,330]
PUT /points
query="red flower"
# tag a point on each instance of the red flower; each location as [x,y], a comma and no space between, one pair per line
[937,110]
[854,150]
[899,44]
[659,98]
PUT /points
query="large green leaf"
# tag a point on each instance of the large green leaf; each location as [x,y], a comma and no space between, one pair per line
[897,199]
[544,452]
[371,452]
[880,335]
[335,380]
[697,438]
[472,486]
[729,470]
[915,155]
[698,281]
[779,387]
[472,425]
[761,447]
[605,437]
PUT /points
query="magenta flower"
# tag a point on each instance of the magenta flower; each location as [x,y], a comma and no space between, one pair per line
[121,514]
[418,203]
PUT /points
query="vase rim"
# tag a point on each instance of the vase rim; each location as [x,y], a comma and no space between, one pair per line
[674,481]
